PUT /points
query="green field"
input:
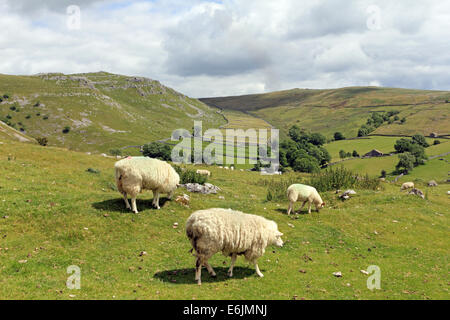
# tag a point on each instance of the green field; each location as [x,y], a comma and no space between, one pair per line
[56,214]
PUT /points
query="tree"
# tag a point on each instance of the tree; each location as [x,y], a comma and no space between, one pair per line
[342,154]
[420,140]
[402,145]
[383,173]
[307,164]
[396,118]
[419,154]
[338,136]
[406,162]
[317,139]
[157,150]
[436,142]
[355,154]
[403,120]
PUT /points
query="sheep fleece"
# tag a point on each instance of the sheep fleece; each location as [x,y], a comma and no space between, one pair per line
[138,173]
[229,231]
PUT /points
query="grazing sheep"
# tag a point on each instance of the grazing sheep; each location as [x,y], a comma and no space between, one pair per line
[135,174]
[407,185]
[432,183]
[232,232]
[300,192]
[204,172]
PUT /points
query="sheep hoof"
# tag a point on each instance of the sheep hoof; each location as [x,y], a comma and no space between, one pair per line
[213,275]
[260,275]
[199,283]
[230,274]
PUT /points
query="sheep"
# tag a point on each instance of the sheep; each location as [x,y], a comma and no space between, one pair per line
[135,174]
[231,232]
[204,172]
[407,185]
[300,192]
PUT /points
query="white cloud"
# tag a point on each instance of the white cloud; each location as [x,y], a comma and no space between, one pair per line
[208,48]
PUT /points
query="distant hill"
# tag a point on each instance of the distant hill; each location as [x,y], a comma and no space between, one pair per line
[98,111]
[346,109]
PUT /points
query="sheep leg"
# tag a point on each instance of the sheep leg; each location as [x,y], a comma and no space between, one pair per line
[258,272]
[309,208]
[125,198]
[291,206]
[303,205]
[156,200]
[198,271]
[210,269]
[233,260]
[133,204]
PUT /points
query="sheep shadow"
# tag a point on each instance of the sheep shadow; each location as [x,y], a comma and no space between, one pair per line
[296,214]
[118,205]
[186,276]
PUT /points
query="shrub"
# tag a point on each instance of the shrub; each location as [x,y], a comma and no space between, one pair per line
[383,173]
[13,108]
[37,104]
[28,116]
[6,96]
[342,154]
[157,150]
[436,142]
[45,117]
[355,154]
[190,176]
[42,141]
[94,171]
[339,136]
[339,178]
[115,152]
[66,130]
[403,120]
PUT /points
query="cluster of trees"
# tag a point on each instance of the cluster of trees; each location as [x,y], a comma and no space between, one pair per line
[157,150]
[377,119]
[304,151]
[343,154]
[412,153]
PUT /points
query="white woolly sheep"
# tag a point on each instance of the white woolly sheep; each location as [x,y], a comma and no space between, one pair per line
[204,172]
[300,192]
[231,232]
[407,185]
[135,174]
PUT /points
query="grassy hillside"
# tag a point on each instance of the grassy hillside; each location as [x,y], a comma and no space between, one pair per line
[9,133]
[101,110]
[56,214]
[346,109]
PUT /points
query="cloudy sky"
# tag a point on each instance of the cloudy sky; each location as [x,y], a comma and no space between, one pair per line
[231,47]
